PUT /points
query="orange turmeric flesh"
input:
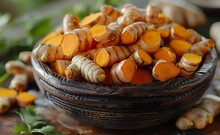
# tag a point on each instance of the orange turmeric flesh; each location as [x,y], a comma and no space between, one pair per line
[56,40]
[179,32]
[70,45]
[165,53]
[24,99]
[142,77]
[47,37]
[102,58]
[128,68]
[180,46]
[164,71]
[91,20]
[146,57]
[8,93]
[193,58]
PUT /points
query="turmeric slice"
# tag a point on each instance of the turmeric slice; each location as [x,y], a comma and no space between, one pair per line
[93,19]
[203,47]
[48,53]
[24,99]
[163,20]
[189,63]
[180,46]
[132,32]
[194,36]
[111,11]
[142,77]
[179,32]
[56,40]
[152,13]
[8,93]
[88,69]
[150,41]
[102,33]
[59,66]
[164,70]
[47,37]
[70,22]
[124,71]
[164,31]
[165,53]
[141,57]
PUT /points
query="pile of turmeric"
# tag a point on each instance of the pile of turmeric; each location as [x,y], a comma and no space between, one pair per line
[120,46]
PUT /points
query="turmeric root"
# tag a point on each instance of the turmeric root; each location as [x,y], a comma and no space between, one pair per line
[150,42]
[24,99]
[5,104]
[141,57]
[88,69]
[108,56]
[180,46]
[8,93]
[142,77]
[179,32]
[19,82]
[111,11]
[132,32]
[25,56]
[201,115]
[89,53]
[194,36]
[164,30]
[59,66]
[47,37]
[203,47]
[48,53]
[152,13]
[70,22]
[56,40]
[164,70]
[123,72]
[101,33]
[163,20]
[189,63]
[165,53]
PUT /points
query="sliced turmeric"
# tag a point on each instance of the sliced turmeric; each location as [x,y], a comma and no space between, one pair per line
[111,11]
[180,46]
[141,57]
[70,22]
[8,93]
[93,19]
[124,71]
[101,33]
[163,20]
[179,32]
[132,32]
[47,37]
[142,77]
[24,99]
[203,47]
[56,40]
[59,66]
[165,53]
[194,36]
[189,63]
[89,53]
[88,69]
[164,31]
[164,70]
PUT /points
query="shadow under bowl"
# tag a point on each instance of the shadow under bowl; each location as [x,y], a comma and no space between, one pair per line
[128,106]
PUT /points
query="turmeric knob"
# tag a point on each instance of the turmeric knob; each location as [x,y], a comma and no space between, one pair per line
[179,32]
[5,104]
[111,11]
[70,22]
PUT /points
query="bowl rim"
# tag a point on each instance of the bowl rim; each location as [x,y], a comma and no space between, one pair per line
[174,86]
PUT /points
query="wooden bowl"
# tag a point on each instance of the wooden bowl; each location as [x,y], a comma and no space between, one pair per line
[124,107]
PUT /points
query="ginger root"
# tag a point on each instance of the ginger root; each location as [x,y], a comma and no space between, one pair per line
[201,115]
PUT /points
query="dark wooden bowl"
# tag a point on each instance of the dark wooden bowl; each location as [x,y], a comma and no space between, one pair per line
[124,107]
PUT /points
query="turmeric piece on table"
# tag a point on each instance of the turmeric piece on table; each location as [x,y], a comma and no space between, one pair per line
[101,33]
[87,68]
[25,98]
[70,22]
[123,72]
[132,32]
[25,56]
[142,77]
[201,115]
[189,63]
[8,93]
[19,82]
[111,11]
[107,56]
[165,53]
[48,53]
[180,46]
[5,104]
[59,66]
[141,57]
[202,47]
[164,70]
[179,32]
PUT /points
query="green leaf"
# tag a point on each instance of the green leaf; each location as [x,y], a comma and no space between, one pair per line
[20,128]
[4,19]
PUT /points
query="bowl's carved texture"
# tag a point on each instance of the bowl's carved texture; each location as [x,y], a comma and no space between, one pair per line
[124,107]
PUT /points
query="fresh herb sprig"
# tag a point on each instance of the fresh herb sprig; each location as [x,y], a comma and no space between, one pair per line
[32,123]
